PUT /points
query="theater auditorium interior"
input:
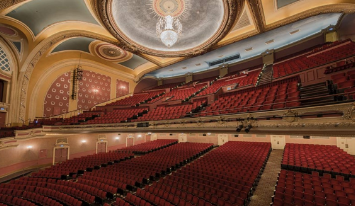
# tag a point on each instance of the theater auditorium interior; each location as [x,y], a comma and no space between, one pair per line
[177,102]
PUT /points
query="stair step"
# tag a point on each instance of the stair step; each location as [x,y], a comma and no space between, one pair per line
[319,85]
[314,93]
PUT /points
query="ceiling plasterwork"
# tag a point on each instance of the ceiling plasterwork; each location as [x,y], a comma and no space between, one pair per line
[204,23]
[111,52]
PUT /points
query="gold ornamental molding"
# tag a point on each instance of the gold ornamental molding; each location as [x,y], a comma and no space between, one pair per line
[336,126]
[233,11]
[37,54]
[336,8]
[4,4]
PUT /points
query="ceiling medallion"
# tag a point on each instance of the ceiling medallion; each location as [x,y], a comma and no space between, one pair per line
[111,52]
[169,28]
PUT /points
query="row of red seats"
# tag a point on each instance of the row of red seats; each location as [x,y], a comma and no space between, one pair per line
[345,64]
[266,97]
[150,166]
[136,98]
[294,188]
[181,94]
[81,117]
[149,146]
[309,60]
[167,86]
[321,158]
[212,179]
[30,196]
[53,194]
[345,81]
[116,116]
[83,163]
[10,200]
[170,112]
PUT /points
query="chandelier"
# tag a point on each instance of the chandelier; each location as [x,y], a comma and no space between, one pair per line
[168,29]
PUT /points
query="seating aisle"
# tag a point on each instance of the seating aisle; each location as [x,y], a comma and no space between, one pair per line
[267,181]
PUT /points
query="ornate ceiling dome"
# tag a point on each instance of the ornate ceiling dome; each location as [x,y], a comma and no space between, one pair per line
[169,28]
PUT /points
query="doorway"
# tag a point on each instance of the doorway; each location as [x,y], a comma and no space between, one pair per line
[222,139]
[101,147]
[61,154]
[278,141]
[347,144]
[3,119]
[129,141]
[182,138]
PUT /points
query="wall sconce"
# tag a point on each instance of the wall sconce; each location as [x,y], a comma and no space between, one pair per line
[139,135]
[83,141]
[117,138]
[29,147]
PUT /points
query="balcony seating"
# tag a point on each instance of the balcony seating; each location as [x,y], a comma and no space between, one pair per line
[117,116]
[183,93]
[276,95]
[348,65]
[167,86]
[241,80]
[137,201]
[147,147]
[79,165]
[136,99]
[10,200]
[331,52]
[81,117]
[212,179]
[344,80]
[169,112]
[320,158]
[294,188]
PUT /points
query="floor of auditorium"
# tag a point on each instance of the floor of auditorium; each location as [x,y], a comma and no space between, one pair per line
[265,189]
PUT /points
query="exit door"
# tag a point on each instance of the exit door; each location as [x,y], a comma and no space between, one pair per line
[278,141]
[347,144]
[182,138]
[60,155]
[222,139]
[129,142]
[101,147]
[2,119]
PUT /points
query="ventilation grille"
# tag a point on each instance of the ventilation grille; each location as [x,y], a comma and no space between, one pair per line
[225,60]
[319,137]
[261,135]
[247,135]
[294,32]
[269,42]
[296,137]
[249,49]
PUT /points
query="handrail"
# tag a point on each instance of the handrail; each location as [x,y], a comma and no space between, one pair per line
[316,66]
[332,95]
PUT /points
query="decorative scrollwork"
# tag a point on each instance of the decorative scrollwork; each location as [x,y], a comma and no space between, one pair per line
[290,116]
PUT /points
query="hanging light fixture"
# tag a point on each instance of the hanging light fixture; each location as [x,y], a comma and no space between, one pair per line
[168,29]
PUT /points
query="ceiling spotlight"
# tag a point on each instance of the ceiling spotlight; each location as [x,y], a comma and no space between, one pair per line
[239,128]
[247,129]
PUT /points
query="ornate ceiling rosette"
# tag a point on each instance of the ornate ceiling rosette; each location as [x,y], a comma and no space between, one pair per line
[169,28]
[112,53]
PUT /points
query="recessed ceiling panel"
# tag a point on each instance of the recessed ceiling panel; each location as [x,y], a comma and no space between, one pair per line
[134,62]
[39,14]
[76,44]
[282,3]
[170,28]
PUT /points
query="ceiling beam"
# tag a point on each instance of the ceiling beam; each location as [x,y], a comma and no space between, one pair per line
[258,14]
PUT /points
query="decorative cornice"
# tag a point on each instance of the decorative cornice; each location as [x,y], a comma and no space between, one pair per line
[233,11]
[335,8]
[257,11]
[289,123]
[4,4]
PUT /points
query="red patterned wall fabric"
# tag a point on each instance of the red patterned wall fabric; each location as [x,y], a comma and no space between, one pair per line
[122,88]
[94,89]
[57,97]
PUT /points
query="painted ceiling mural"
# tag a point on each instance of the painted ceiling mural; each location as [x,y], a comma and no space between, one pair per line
[156,38]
